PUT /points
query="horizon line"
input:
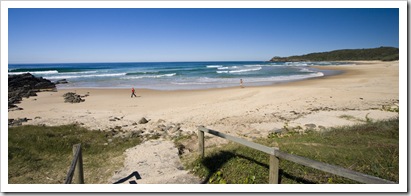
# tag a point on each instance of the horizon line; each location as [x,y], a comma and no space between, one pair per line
[141,62]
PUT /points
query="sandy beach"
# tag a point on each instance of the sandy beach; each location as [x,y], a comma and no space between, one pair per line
[364,88]
[364,91]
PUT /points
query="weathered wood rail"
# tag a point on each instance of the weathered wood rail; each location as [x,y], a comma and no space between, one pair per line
[76,166]
[275,156]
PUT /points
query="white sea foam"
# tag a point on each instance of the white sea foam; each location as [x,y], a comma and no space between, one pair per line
[256,65]
[36,72]
[220,68]
[214,66]
[296,64]
[84,76]
[245,70]
[240,70]
[305,70]
[188,83]
[225,82]
[149,76]
[83,72]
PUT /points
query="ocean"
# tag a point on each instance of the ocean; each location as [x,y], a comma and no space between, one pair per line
[173,75]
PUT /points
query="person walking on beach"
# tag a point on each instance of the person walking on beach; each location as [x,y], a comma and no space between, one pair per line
[132,93]
[241,83]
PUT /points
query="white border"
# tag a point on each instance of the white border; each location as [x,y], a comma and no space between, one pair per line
[203,4]
[401,187]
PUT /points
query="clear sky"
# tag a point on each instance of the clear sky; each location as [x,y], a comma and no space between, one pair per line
[146,35]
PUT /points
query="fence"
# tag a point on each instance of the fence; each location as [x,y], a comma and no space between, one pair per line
[276,154]
[76,166]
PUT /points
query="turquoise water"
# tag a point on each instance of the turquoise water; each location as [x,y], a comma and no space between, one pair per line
[172,75]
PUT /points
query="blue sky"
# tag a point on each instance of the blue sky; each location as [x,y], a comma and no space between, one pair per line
[147,35]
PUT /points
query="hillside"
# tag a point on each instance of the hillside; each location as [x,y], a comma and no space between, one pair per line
[381,53]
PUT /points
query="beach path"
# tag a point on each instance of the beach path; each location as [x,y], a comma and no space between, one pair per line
[153,162]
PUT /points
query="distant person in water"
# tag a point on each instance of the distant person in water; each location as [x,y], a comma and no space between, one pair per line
[241,83]
[133,93]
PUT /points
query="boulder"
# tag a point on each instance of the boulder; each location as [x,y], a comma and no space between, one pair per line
[71,97]
[143,121]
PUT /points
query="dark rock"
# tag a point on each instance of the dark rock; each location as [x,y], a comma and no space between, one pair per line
[181,149]
[26,85]
[14,108]
[62,81]
[114,119]
[71,97]
[278,131]
[143,121]
[310,126]
[17,122]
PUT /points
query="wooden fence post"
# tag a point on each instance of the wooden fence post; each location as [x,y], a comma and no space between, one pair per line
[79,166]
[201,143]
[274,169]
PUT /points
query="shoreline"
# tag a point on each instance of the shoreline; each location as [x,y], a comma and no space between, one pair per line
[329,72]
[201,76]
[359,87]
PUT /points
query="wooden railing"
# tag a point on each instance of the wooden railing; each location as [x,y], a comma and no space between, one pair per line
[275,155]
[76,166]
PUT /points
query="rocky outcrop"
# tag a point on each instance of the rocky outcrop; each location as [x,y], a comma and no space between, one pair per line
[26,85]
[71,97]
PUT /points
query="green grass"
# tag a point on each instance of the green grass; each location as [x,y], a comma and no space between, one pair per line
[41,154]
[371,148]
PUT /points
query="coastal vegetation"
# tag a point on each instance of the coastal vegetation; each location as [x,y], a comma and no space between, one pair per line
[371,148]
[381,53]
[42,154]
